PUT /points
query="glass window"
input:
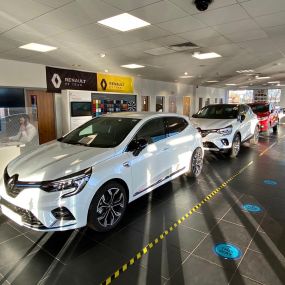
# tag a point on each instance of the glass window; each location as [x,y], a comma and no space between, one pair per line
[152,131]
[103,132]
[175,125]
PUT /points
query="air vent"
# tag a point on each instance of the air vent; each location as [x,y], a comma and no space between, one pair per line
[184,46]
[160,51]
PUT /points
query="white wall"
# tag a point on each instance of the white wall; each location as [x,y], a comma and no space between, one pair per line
[22,74]
[209,92]
[282,98]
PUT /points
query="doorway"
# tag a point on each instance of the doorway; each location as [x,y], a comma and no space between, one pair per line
[172,104]
[42,105]
[145,103]
[159,104]
[186,106]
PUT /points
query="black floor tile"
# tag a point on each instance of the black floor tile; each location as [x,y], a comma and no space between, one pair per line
[15,249]
[200,222]
[197,271]
[266,270]
[29,270]
[164,259]
[7,232]
[243,280]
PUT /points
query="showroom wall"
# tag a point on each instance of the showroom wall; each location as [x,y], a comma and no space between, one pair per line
[282,98]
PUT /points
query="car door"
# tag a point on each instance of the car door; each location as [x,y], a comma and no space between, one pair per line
[178,142]
[244,124]
[151,166]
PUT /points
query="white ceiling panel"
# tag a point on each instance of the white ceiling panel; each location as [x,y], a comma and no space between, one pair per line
[271,20]
[127,5]
[160,51]
[221,3]
[7,22]
[222,15]
[159,12]
[182,25]
[211,42]
[7,44]
[227,49]
[53,3]
[169,40]
[249,35]
[200,34]
[148,33]
[21,10]
[186,6]
[263,7]
[276,31]
[236,27]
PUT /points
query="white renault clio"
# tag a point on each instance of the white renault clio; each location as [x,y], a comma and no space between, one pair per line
[225,126]
[90,175]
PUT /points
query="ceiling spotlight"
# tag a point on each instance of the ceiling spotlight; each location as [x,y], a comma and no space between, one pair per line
[185,73]
[106,70]
[262,77]
[102,55]
[231,84]
[206,55]
[202,5]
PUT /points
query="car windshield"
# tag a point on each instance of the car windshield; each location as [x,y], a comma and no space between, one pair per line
[103,132]
[260,108]
[218,112]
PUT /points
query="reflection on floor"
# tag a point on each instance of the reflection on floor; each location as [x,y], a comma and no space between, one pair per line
[248,215]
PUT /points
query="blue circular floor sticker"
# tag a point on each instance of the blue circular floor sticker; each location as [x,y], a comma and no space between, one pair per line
[227,251]
[251,208]
[270,182]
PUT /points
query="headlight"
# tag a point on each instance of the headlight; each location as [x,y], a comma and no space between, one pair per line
[262,118]
[225,131]
[73,183]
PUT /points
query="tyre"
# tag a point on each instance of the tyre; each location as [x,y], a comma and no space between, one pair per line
[234,151]
[255,138]
[196,163]
[107,207]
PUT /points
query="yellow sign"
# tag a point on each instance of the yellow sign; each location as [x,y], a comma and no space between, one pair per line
[114,83]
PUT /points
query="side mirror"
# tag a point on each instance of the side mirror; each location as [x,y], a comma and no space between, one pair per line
[136,146]
[241,118]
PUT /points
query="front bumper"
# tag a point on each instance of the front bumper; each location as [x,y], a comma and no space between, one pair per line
[216,142]
[35,208]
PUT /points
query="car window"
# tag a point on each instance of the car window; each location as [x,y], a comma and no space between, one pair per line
[103,132]
[217,112]
[152,131]
[175,125]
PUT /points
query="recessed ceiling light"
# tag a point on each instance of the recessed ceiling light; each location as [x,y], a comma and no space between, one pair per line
[102,55]
[106,70]
[132,66]
[186,73]
[273,82]
[245,71]
[212,81]
[38,47]
[207,55]
[185,76]
[124,22]
[262,77]
[231,84]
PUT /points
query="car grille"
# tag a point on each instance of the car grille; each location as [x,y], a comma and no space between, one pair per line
[204,133]
[28,217]
[209,145]
[13,186]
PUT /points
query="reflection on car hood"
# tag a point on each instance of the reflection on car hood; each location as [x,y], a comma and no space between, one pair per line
[210,124]
[55,160]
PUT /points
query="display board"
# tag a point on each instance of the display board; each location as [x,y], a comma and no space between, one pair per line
[103,103]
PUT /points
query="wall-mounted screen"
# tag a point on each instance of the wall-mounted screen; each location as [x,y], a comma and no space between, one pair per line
[12,97]
[81,109]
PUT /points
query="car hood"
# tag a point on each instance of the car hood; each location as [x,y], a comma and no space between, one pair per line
[55,160]
[210,124]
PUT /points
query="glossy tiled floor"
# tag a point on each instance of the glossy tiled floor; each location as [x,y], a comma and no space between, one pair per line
[186,255]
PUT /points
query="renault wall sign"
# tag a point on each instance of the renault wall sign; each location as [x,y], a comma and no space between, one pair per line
[59,79]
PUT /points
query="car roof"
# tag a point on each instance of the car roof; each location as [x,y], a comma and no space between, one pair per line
[224,105]
[142,115]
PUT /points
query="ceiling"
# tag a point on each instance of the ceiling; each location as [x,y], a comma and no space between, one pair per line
[249,34]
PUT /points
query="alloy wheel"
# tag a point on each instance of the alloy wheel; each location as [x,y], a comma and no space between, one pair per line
[110,207]
[197,162]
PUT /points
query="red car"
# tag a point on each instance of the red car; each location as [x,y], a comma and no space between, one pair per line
[267,115]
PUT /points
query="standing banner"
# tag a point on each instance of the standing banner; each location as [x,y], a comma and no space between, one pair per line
[59,79]
[115,83]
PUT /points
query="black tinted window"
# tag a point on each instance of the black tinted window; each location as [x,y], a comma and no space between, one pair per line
[218,112]
[101,132]
[152,131]
[175,125]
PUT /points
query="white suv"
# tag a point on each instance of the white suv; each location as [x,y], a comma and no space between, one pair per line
[225,126]
[91,174]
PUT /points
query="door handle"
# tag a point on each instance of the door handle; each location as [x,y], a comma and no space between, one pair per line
[126,164]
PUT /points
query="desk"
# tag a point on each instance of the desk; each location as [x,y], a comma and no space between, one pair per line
[8,151]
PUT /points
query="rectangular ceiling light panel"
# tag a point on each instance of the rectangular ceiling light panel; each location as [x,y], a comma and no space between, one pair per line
[132,66]
[38,47]
[124,22]
[207,55]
